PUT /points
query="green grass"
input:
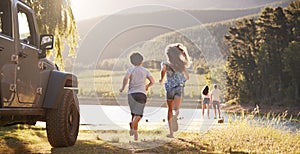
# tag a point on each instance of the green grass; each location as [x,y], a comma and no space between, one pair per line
[104,83]
[22,139]
[243,134]
[242,137]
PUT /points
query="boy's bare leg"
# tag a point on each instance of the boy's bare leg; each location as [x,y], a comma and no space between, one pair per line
[215,110]
[219,112]
[135,122]
[130,125]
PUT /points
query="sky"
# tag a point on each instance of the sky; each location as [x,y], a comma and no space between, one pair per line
[84,9]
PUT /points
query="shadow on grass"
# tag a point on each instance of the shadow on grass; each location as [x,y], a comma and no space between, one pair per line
[174,146]
[10,143]
[87,142]
[178,145]
[86,146]
[16,145]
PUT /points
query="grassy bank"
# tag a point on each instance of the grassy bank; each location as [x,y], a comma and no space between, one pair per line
[239,135]
[103,83]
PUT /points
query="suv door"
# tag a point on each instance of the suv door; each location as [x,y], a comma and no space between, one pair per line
[28,72]
[7,50]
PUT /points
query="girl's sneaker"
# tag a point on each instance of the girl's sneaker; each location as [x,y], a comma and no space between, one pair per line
[174,123]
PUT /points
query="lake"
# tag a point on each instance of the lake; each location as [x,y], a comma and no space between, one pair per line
[106,117]
[114,117]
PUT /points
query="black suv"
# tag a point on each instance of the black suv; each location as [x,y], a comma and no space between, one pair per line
[31,87]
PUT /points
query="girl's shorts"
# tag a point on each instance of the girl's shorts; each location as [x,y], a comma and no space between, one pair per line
[176,91]
[206,101]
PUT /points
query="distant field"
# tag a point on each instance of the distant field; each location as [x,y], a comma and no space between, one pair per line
[103,83]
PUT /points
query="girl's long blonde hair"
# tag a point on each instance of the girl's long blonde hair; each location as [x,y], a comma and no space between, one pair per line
[178,56]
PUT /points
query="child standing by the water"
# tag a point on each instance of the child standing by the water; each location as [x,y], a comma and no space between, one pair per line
[137,98]
[205,100]
[215,98]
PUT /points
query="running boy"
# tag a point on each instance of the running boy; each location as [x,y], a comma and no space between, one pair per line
[137,76]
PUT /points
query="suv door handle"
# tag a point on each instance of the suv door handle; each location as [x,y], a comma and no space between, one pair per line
[1,48]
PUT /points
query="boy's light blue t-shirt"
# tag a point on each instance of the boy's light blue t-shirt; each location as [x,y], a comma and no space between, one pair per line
[137,80]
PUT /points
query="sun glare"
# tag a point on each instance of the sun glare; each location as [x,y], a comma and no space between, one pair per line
[93,8]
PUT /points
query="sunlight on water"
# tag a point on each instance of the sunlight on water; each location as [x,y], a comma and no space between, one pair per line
[100,117]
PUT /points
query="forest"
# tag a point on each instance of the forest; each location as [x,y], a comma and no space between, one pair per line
[264,58]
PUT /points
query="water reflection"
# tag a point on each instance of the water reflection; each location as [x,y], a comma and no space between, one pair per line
[105,117]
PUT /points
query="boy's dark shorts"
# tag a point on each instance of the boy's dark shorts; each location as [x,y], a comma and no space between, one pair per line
[137,102]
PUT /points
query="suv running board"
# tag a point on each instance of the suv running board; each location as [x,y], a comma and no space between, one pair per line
[21,111]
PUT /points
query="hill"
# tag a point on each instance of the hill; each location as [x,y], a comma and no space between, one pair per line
[122,31]
[113,36]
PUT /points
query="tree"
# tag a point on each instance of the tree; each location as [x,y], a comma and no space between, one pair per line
[274,34]
[241,69]
[292,67]
[56,17]
[292,53]
[293,13]
[264,61]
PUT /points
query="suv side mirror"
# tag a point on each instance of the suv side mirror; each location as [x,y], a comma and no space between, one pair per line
[46,42]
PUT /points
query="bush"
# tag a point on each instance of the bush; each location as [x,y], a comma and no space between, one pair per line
[232,102]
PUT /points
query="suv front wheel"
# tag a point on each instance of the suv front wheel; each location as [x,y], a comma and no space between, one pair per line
[62,124]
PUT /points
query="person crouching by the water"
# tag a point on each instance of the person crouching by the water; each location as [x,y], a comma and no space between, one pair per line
[175,68]
[137,76]
[205,100]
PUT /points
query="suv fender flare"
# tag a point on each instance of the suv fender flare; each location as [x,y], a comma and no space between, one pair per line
[59,81]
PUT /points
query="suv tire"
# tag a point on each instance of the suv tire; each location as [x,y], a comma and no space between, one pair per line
[62,124]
